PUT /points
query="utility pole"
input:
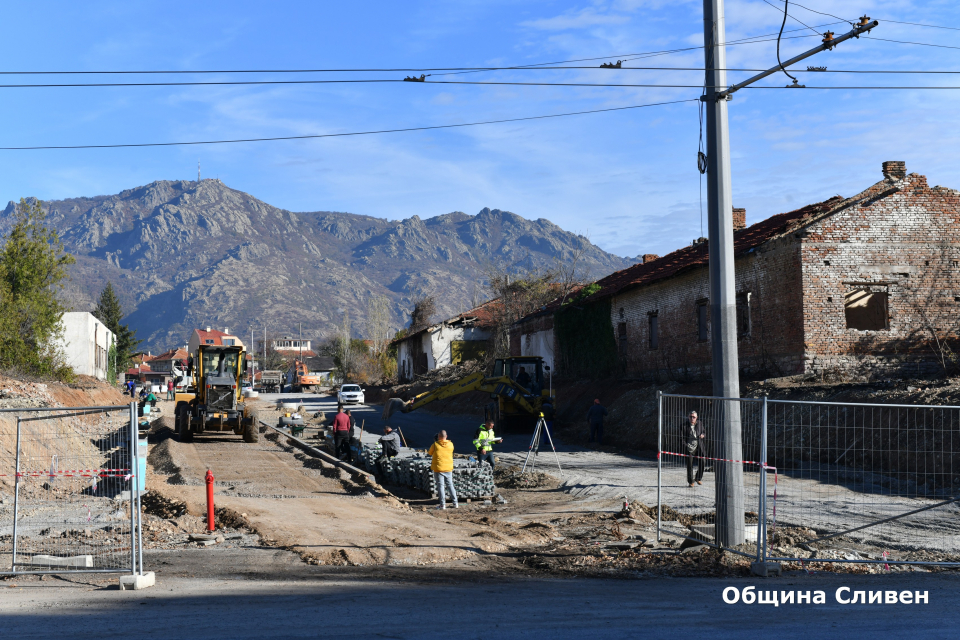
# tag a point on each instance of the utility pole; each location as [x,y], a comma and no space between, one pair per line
[729,526]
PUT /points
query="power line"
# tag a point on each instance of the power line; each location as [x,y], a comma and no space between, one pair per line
[342,135]
[931,26]
[922,44]
[530,67]
[625,85]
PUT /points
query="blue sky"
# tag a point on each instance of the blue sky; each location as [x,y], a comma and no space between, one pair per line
[626,179]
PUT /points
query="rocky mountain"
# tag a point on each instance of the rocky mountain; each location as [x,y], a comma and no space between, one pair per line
[186,254]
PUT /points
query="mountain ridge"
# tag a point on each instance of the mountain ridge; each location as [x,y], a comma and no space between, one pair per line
[183,254]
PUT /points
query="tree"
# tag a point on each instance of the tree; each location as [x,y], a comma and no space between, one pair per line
[519,293]
[110,312]
[379,333]
[33,267]
[424,309]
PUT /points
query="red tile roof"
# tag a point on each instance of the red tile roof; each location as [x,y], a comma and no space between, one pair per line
[171,354]
[214,334]
[695,256]
[483,316]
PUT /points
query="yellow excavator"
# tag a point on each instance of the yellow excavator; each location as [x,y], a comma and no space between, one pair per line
[213,399]
[518,394]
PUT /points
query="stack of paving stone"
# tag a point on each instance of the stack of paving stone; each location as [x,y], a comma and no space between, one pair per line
[471,479]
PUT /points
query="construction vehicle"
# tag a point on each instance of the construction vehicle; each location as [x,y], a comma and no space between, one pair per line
[213,399]
[270,380]
[513,404]
[304,379]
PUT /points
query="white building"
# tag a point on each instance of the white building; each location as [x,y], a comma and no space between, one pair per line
[463,337]
[86,343]
[292,344]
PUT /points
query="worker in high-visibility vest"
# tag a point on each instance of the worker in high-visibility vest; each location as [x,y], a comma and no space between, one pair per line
[484,442]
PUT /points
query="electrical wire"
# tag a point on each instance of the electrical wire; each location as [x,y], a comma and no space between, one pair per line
[931,26]
[922,44]
[532,67]
[343,135]
[850,22]
[792,16]
[782,25]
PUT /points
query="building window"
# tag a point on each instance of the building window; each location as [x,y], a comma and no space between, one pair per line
[743,315]
[228,342]
[703,333]
[622,337]
[653,326]
[866,310]
[208,341]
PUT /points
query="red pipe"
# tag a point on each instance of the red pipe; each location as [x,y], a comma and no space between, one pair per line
[209,480]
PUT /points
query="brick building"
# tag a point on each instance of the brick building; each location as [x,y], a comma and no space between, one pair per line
[868,284]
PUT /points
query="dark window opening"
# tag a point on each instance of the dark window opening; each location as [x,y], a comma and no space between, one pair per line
[702,330]
[826,263]
[622,337]
[743,315]
[866,310]
[654,328]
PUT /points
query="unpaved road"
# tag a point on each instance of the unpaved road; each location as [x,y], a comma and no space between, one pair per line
[270,594]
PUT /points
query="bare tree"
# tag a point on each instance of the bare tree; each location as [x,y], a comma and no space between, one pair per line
[424,309]
[519,293]
[570,273]
[378,324]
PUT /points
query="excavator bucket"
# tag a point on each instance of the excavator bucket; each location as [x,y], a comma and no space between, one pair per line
[392,406]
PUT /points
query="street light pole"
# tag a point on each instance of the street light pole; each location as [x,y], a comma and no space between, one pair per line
[729,526]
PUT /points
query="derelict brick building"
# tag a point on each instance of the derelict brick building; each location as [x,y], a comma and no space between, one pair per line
[868,285]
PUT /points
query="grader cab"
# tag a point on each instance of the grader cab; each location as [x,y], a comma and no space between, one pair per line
[213,400]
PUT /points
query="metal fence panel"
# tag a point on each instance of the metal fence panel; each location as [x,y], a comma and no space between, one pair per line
[68,476]
[687,500]
[864,482]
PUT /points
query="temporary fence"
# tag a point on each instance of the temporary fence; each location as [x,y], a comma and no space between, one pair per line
[822,481]
[70,479]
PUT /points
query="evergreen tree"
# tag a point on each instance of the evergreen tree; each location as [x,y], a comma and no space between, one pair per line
[110,312]
[33,266]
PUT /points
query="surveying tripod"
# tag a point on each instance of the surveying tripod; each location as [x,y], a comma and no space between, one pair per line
[535,446]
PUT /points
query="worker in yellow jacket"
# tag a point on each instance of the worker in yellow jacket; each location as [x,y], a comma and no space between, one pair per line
[484,442]
[442,466]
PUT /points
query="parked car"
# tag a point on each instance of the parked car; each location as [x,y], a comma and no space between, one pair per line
[350,394]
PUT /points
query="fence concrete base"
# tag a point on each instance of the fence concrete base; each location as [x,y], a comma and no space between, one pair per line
[765,569]
[137,582]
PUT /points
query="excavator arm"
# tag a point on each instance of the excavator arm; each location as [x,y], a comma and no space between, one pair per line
[503,386]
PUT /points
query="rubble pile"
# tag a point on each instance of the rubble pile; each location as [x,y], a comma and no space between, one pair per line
[509,477]
[471,479]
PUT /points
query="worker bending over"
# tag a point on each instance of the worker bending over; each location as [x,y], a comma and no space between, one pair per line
[484,442]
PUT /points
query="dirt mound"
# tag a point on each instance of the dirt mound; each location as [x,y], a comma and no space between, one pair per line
[509,477]
[161,506]
[169,459]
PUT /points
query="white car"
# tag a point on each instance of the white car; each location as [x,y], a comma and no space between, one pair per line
[350,394]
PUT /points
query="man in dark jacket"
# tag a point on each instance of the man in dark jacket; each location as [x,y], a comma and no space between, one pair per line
[694,438]
[390,442]
[595,420]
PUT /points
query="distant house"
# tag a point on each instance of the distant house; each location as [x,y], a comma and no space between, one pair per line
[165,362]
[455,340]
[293,346]
[86,342]
[213,337]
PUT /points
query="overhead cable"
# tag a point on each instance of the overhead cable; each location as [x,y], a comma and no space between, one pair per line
[343,135]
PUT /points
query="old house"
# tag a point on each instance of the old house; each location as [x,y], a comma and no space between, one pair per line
[86,344]
[868,284]
[460,338]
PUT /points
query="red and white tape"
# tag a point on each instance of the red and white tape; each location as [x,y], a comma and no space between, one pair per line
[764,466]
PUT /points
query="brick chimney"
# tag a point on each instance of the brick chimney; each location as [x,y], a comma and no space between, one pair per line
[649,257]
[895,170]
[739,218]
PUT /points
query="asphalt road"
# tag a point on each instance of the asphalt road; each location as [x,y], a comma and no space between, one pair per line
[279,599]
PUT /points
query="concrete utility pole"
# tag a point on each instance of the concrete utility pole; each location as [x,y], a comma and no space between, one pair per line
[723,293]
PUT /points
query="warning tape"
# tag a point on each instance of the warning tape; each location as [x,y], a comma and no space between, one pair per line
[760,464]
[70,473]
